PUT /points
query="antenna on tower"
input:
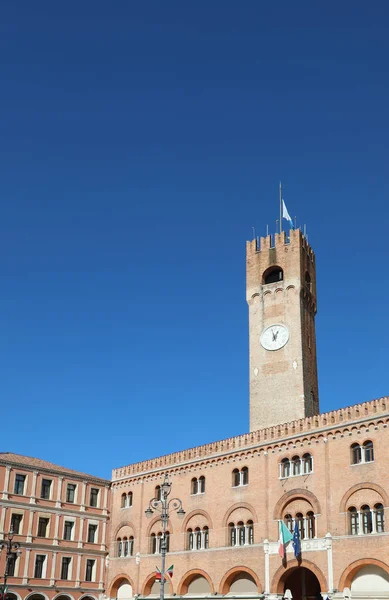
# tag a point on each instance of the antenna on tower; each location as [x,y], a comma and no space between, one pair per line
[267,230]
[295,222]
[253,233]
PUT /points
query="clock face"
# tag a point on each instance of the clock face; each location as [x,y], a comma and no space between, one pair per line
[274,337]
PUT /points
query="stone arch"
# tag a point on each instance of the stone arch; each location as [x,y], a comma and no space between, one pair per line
[154,521]
[197,511]
[229,576]
[281,575]
[363,486]
[13,593]
[149,582]
[239,505]
[120,579]
[121,525]
[350,572]
[188,577]
[63,595]
[84,596]
[296,493]
[36,594]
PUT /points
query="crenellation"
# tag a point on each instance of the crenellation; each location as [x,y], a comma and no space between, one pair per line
[308,424]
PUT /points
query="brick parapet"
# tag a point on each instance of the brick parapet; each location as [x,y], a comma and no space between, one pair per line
[269,435]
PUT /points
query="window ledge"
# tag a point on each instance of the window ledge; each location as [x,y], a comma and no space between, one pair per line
[363,462]
[299,475]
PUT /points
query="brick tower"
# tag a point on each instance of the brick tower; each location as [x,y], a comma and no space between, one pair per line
[281,294]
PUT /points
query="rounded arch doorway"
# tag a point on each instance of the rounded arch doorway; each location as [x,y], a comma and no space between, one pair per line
[302,584]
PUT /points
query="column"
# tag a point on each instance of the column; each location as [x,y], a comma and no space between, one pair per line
[102,534]
[78,581]
[360,523]
[33,488]
[81,533]
[52,576]
[26,565]
[30,525]
[246,535]
[301,467]
[105,502]
[236,536]
[305,531]
[56,530]
[330,566]
[83,494]
[2,521]
[373,521]
[6,482]
[59,491]
[101,574]
[314,525]
[267,566]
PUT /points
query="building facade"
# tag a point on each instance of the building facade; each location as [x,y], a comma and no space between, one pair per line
[59,517]
[324,472]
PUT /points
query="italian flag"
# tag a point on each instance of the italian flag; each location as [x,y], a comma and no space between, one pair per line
[158,574]
[169,571]
[285,537]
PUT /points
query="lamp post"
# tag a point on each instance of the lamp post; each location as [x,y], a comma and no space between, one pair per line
[165,507]
[12,551]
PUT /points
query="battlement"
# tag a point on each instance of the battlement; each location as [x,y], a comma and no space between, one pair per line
[269,435]
[278,240]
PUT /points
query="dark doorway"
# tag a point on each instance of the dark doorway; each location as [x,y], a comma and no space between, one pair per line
[303,584]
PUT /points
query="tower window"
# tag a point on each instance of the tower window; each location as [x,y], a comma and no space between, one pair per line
[273,275]
[307,282]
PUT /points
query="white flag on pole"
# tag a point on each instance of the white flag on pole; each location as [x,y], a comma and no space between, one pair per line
[285,214]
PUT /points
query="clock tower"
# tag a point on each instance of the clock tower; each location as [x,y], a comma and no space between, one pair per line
[281,294]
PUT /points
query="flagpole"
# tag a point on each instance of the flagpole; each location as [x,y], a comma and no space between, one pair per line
[280,208]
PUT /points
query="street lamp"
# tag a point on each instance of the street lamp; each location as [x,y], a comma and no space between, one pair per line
[12,552]
[164,507]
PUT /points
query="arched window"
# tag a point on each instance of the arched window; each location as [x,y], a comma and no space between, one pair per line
[129,499]
[285,467]
[120,547]
[198,538]
[131,545]
[250,532]
[235,478]
[245,476]
[296,465]
[206,537]
[356,454]
[125,546]
[158,492]
[232,535]
[241,533]
[167,541]
[307,463]
[307,281]
[124,501]
[273,275]
[300,522]
[367,524]
[190,539]
[354,521]
[368,451]
[310,525]
[289,522]
[198,485]
[379,518]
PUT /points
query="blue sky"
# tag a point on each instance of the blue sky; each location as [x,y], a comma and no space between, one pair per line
[140,143]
